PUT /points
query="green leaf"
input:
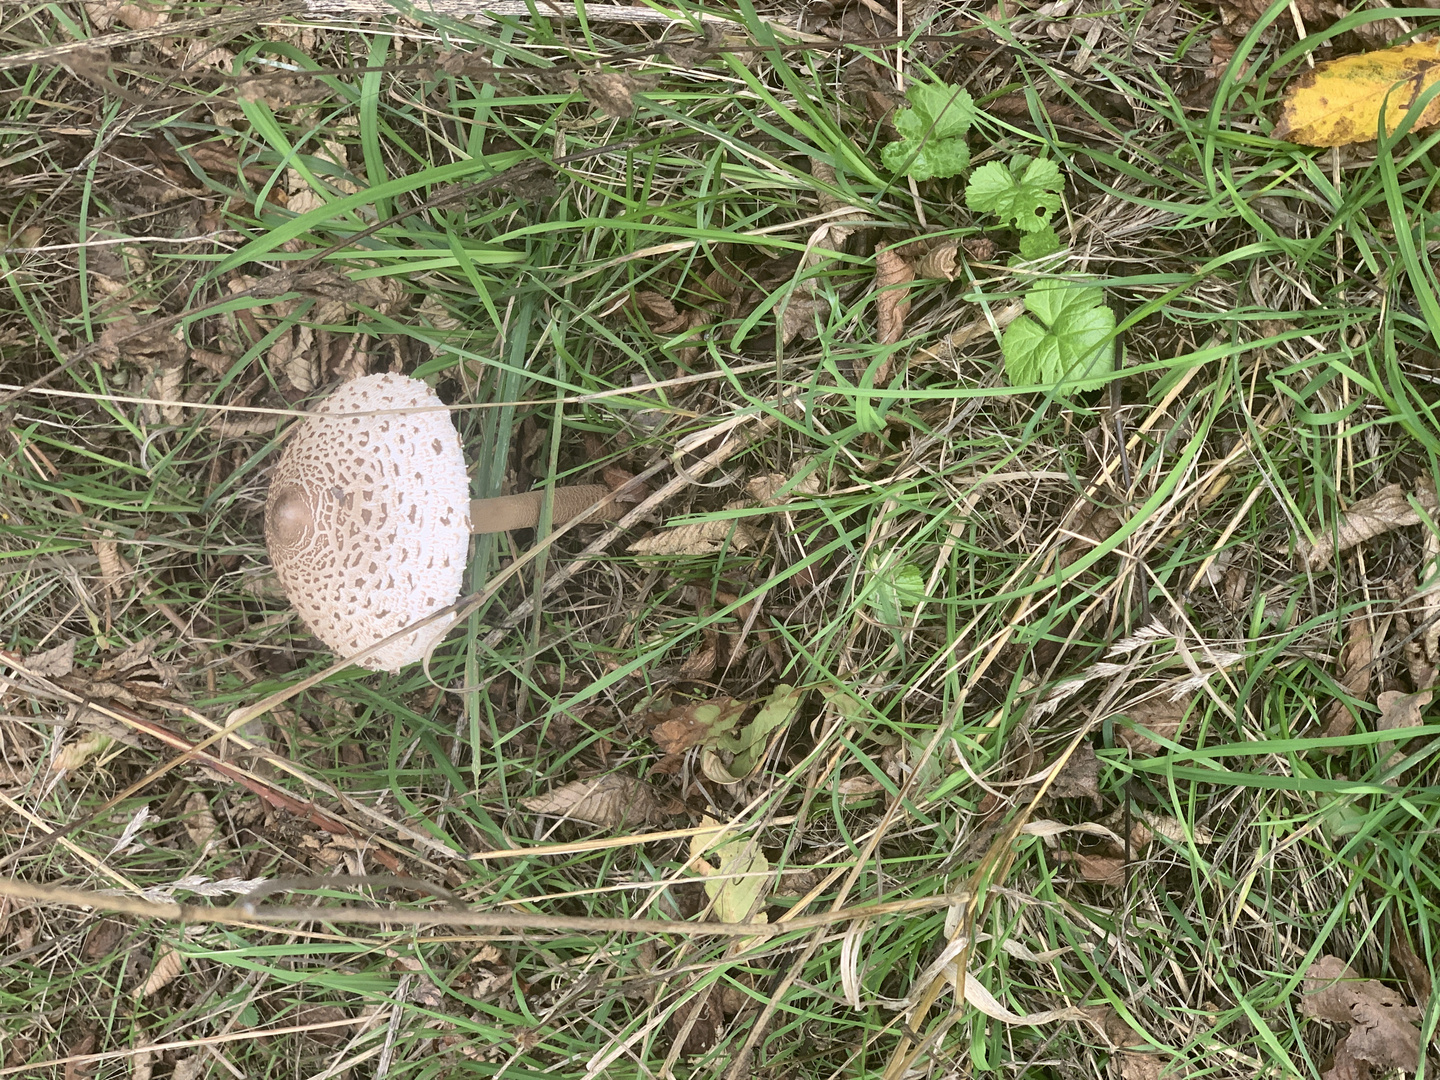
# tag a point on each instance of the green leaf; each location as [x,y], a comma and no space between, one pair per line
[1036,245]
[1022,194]
[932,130]
[896,591]
[1070,338]
[939,112]
[740,879]
[749,744]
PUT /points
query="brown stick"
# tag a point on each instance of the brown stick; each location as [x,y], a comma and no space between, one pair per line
[507,512]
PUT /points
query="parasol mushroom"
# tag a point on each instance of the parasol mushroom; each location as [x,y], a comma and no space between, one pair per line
[369,517]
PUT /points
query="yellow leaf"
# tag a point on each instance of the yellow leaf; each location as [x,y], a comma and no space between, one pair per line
[1339,102]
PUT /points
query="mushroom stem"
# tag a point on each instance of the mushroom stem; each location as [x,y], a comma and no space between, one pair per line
[506,512]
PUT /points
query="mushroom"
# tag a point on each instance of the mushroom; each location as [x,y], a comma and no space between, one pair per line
[369,517]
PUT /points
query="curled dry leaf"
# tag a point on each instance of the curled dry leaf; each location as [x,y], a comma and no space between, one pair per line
[892,273]
[1387,509]
[1354,667]
[658,311]
[695,723]
[200,824]
[166,969]
[801,317]
[55,662]
[1398,711]
[939,262]
[611,802]
[700,538]
[1160,717]
[1382,1027]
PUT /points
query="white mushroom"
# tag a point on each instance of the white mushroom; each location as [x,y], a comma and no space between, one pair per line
[369,517]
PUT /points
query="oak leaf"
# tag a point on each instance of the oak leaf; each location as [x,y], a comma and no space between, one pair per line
[1382,1027]
[1339,102]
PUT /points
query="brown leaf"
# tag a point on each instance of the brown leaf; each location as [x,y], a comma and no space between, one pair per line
[1353,673]
[1080,778]
[80,1046]
[658,311]
[700,538]
[700,664]
[1382,1027]
[1101,869]
[892,303]
[611,92]
[1398,711]
[166,969]
[612,801]
[1094,525]
[939,262]
[694,723]
[1159,715]
[199,822]
[1387,509]
[53,662]
[799,317]
[1414,968]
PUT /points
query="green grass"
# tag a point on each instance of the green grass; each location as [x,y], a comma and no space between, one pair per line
[375,201]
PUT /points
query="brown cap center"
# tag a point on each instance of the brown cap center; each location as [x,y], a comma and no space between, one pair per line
[290,516]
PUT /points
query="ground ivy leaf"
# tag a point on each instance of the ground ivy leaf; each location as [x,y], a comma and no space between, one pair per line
[1070,337]
[1022,194]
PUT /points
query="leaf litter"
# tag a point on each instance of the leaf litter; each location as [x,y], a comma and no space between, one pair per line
[1381,1026]
[1388,509]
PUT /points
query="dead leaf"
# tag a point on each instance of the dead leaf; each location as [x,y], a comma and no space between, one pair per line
[81,1046]
[611,92]
[892,302]
[1353,673]
[612,801]
[1387,509]
[55,662]
[195,1067]
[166,969]
[700,538]
[1080,778]
[101,939]
[1398,711]
[939,262]
[199,822]
[1382,1027]
[1410,963]
[1159,716]
[774,489]
[659,312]
[1101,869]
[696,722]
[1339,102]
[800,317]
[136,14]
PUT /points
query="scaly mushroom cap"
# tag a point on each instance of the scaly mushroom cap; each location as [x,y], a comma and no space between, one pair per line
[368,519]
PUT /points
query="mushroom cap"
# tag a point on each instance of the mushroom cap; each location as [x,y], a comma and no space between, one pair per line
[368,518]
